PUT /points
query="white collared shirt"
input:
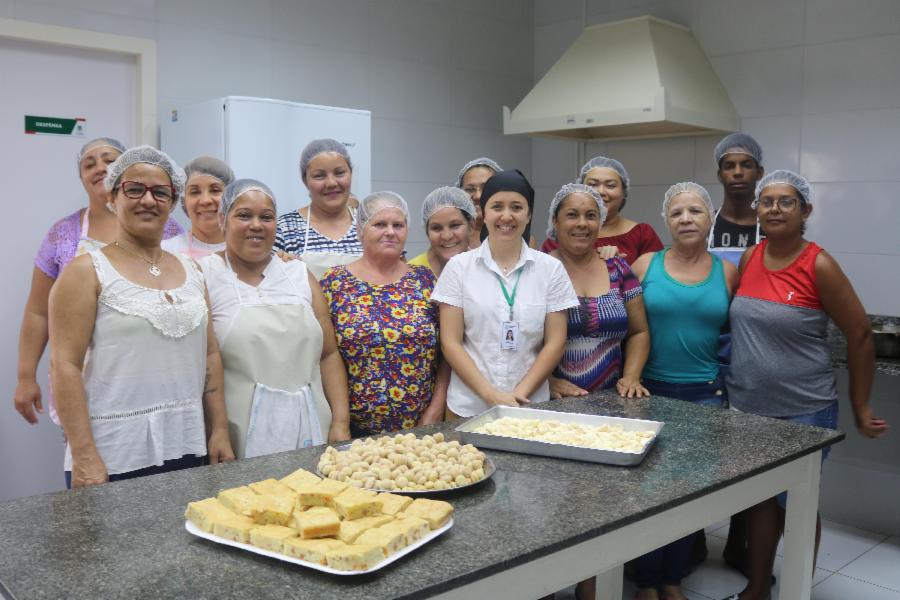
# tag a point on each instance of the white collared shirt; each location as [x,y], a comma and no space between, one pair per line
[469,281]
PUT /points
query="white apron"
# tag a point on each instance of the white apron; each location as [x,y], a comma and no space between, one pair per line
[85,245]
[319,262]
[273,390]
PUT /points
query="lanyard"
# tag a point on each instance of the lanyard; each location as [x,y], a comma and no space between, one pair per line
[510,298]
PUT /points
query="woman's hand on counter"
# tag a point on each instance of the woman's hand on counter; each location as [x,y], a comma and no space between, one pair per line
[219,447]
[631,388]
[338,432]
[869,425]
[561,388]
[88,470]
[498,398]
[430,417]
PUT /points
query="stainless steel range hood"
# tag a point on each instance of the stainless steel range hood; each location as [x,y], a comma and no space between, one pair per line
[637,78]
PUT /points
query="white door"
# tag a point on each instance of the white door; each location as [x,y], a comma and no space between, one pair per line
[41,185]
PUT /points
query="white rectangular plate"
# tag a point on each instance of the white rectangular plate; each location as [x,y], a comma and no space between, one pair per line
[193,529]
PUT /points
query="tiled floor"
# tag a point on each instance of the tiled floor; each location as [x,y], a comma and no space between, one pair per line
[853,565]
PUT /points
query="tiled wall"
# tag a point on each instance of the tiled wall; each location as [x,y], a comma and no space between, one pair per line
[817,82]
[433,73]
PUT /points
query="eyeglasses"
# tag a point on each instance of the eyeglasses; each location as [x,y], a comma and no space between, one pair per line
[136,190]
[784,203]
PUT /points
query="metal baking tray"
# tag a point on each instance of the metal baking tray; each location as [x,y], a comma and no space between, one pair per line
[608,457]
[489,470]
[193,529]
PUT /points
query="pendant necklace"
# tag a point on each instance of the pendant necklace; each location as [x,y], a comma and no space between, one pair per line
[154,267]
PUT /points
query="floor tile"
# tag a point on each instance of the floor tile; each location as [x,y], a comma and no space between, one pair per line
[841,544]
[839,587]
[878,566]
[714,578]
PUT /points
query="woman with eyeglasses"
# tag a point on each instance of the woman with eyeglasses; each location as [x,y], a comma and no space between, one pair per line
[134,359]
[780,358]
[87,228]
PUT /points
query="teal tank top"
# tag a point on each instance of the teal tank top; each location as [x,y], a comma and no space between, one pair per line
[685,321]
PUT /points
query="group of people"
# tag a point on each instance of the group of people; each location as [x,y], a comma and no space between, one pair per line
[254,333]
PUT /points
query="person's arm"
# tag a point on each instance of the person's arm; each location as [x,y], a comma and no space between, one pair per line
[732,278]
[452,331]
[640,266]
[745,258]
[72,313]
[33,337]
[843,306]
[331,368]
[434,412]
[218,443]
[636,350]
[555,326]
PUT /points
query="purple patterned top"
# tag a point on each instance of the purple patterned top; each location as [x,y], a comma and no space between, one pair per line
[61,242]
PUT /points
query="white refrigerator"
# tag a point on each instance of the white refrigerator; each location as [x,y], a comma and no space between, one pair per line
[262,139]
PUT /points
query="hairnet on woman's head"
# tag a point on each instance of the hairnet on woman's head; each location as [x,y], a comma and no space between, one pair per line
[738,143]
[798,182]
[512,180]
[566,191]
[605,162]
[238,188]
[375,203]
[687,187]
[209,166]
[107,142]
[147,155]
[478,162]
[447,197]
[317,147]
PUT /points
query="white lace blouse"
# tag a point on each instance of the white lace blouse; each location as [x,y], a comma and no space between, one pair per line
[145,370]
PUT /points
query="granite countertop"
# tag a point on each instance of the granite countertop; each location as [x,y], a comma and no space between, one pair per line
[127,539]
[838,343]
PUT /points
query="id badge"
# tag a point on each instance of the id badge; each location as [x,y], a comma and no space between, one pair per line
[509,335]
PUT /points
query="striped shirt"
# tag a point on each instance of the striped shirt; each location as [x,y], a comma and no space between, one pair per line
[291,236]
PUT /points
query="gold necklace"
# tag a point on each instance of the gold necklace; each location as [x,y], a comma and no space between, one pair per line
[154,267]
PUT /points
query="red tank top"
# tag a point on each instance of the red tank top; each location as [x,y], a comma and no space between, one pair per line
[794,285]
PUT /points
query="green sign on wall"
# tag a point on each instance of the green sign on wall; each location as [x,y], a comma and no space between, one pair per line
[54,126]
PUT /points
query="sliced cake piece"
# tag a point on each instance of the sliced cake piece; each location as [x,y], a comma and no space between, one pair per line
[235,528]
[311,550]
[271,537]
[203,512]
[413,528]
[391,504]
[389,540]
[350,530]
[321,493]
[356,557]
[273,487]
[354,503]
[436,512]
[275,509]
[241,500]
[300,477]
[317,522]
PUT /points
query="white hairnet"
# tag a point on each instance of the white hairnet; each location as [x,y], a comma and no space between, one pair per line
[238,188]
[478,162]
[100,142]
[377,202]
[447,197]
[317,147]
[566,191]
[686,187]
[210,166]
[798,182]
[607,163]
[148,155]
[738,143]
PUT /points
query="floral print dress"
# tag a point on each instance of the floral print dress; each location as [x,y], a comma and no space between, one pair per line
[388,338]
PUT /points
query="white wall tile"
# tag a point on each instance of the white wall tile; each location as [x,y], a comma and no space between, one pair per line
[592,149]
[232,16]
[765,83]
[7,9]
[341,25]
[871,277]
[779,138]
[645,205]
[851,146]
[136,9]
[64,16]
[406,30]
[317,75]
[677,11]
[830,20]
[661,161]
[555,11]
[856,74]
[846,213]
[543,195]
[409,91]
[554,162]
[550,41]
[705,168]
[732,26]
